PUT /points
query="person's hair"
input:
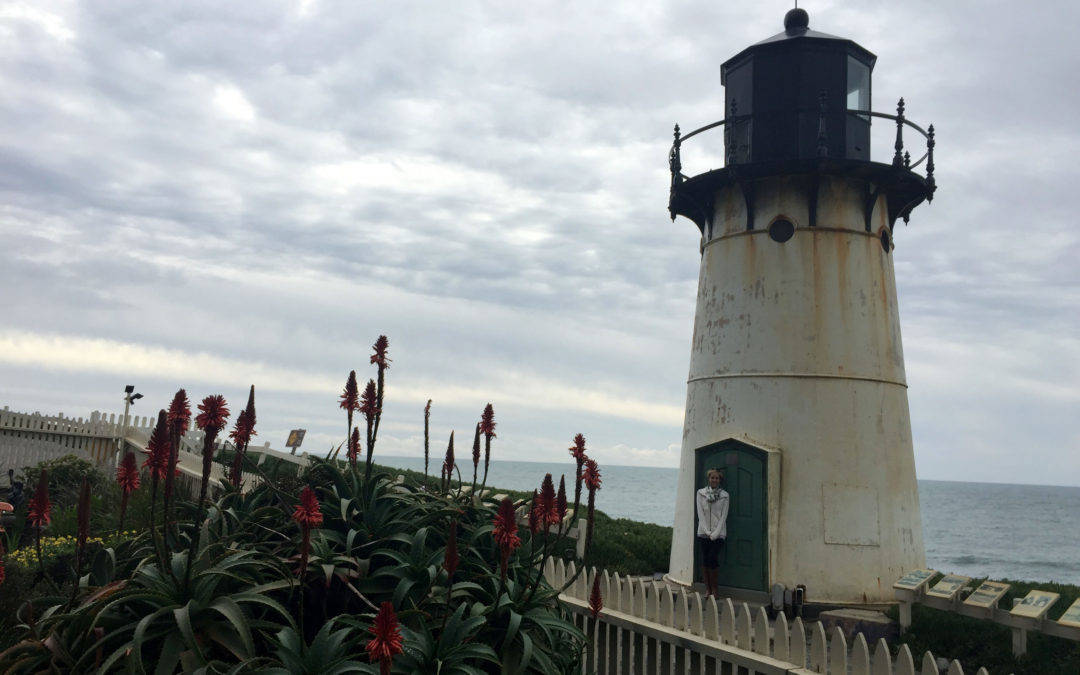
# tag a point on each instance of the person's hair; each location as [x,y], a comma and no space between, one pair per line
[718,472]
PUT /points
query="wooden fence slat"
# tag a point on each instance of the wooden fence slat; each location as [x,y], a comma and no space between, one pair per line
[761,632]
[955,668]
[818,646]
[697,615]
[860,656]
[797,649]
[743,627]
[882,659]
[838,664]
[727,621]
[712,619]
[667,607]
[905,665]
[682,611]
[929,665]
[781,637]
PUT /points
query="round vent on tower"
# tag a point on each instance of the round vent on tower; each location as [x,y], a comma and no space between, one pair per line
[886,242]
[781,230]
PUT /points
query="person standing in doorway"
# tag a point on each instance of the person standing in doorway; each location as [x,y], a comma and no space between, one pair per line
[712,510]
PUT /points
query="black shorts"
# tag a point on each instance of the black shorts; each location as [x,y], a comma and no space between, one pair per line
[710,551]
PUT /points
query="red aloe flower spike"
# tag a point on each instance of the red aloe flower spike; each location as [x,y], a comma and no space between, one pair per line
[387,641]
[350,397]
[591,475]
[127,474]
[354,446]
[350,401]
[241,435]
[448,462]
[369,405]
[451,560]
[308,515]
[534,514]
[381,361]
[307,511]
[157,450]
[560,500]
[379,357]
[369,402]
[475,454]
[596,601]
[505,530]
[127,477]
[427,434]
[487,422]
[250,410]
[179,417]
[179,413]
[547,503]
[39,508]
[577,450]
[38,511]
[212,417]
[592,480]
[213,414]
[82,519]
[487,427]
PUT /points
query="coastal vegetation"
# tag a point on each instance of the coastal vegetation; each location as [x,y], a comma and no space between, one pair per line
[342,568]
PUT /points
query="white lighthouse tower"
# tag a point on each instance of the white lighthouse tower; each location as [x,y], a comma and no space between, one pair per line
[797,389]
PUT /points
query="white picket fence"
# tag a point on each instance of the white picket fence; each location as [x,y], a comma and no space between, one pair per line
[646,627]
[29,438]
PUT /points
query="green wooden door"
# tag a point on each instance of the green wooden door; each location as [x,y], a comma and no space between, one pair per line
[743,558]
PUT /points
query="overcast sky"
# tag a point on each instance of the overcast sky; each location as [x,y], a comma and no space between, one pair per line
[213,194]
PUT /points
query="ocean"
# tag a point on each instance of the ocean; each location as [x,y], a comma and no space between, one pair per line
[1023,532]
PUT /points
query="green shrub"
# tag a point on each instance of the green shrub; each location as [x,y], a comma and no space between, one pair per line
[65,478]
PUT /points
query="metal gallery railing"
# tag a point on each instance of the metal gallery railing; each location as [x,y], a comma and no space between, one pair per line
[901,156]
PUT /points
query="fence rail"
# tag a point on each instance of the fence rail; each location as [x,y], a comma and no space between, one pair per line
[647,627]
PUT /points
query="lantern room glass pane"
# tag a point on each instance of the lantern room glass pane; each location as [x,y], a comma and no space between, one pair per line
[858,84]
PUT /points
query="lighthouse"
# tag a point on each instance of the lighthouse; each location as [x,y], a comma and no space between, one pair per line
[796,390]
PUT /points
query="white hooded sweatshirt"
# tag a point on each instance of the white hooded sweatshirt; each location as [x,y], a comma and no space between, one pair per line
[712,516]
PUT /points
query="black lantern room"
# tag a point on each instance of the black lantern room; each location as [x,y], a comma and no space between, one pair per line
[777,90]
[798,104]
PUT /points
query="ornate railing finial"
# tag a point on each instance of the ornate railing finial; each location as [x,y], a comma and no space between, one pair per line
[674,159]
[907,159]
[822,137]
[930,182]
[899,145]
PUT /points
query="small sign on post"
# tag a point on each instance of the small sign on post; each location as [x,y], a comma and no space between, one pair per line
[296,437]
[1035,604]
[1071,617]
[987,596]
[914,580]
[908,589]
[949,586]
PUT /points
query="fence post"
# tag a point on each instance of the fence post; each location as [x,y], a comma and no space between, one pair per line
[1019,641]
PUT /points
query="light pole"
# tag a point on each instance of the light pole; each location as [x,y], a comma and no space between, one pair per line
[129,399]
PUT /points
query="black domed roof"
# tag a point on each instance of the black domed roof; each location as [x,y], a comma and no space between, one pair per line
[797,28]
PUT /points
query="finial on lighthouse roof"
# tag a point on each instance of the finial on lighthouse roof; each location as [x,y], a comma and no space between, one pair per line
[796,21]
